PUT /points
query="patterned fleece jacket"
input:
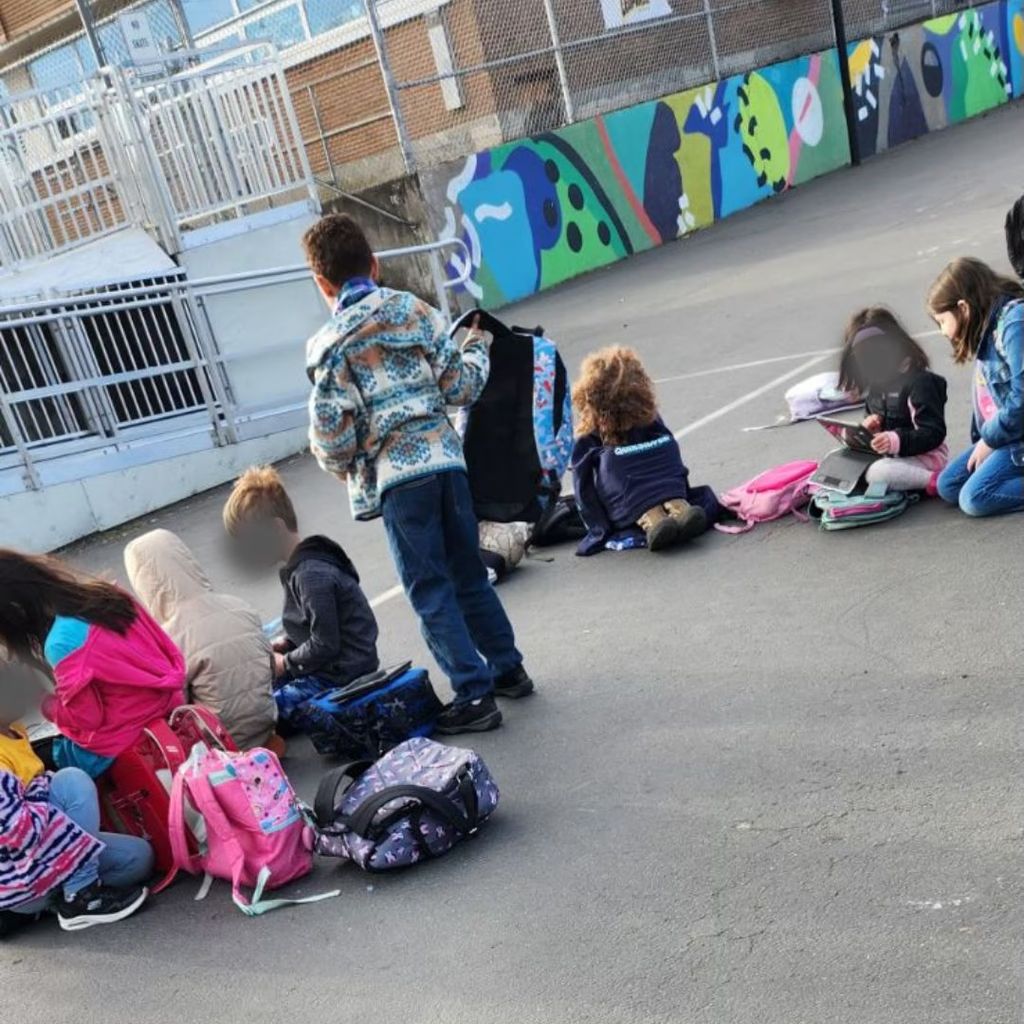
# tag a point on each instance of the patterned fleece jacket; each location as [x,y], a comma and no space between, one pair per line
[384,370]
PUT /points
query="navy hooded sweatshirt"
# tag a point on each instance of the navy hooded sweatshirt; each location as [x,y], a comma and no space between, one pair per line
[616,484]
[327,619]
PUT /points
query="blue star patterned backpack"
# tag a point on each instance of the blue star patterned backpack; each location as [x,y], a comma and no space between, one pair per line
[518,435]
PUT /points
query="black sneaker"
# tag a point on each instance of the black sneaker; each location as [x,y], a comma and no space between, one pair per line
[474,716]
[513,684]
[97,904]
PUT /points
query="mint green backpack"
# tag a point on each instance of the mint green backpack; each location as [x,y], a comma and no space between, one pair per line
[845,512]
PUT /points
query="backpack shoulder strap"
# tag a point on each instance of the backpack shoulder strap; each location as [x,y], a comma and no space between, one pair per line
[177,833]
[218,824]
[327,792]
[361,820]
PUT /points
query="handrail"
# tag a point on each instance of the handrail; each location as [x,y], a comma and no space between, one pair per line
[221,283]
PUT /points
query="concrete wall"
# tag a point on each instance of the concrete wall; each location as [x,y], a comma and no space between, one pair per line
[550,207]
[932,75]
[540,211]
[261,332]
[48,519]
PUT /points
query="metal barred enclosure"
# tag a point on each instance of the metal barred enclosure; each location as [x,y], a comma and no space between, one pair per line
[118,365]
[167,151]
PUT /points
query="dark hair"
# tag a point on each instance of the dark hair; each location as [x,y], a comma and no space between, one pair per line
[970,280]
[35,588]
[337,249]
[885,320]
[1015,236]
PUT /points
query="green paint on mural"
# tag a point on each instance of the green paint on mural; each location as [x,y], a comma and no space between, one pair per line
[833,149]
[762,129]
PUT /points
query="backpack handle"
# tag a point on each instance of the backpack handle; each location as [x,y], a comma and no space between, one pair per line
[370,682]
[361,821]
[327,792]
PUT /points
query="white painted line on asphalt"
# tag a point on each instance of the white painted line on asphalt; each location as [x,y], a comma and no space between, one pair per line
[816,357]
[746,366]
[751,395]
[753,364]
[388,595]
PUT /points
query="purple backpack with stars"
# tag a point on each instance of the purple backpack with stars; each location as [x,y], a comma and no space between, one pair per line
[416,802]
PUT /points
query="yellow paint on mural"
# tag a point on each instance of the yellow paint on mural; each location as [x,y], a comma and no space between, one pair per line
[860,59]
[694,159]
[942,26]
[1018,32]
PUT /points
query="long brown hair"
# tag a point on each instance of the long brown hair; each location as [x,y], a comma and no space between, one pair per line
[881,319]
[35,588]
[613,395]
[970,280]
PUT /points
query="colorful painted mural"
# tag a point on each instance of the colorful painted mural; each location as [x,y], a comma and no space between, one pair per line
[539,211]
[935,74]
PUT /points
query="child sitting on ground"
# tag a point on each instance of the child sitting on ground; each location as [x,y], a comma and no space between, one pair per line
[981,313]
[52,854]
[114,669]
[631,484]
[330,629]
[905,401]
[228,657]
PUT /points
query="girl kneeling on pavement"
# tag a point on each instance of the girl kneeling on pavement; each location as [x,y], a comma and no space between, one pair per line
[632,486]
[53,856]
[982,314]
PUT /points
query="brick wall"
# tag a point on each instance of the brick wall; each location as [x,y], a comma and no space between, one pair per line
[19,17]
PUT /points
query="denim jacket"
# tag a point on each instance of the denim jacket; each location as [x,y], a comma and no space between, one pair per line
[1001,361]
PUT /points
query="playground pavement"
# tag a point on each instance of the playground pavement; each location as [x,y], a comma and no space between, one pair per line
[773,778]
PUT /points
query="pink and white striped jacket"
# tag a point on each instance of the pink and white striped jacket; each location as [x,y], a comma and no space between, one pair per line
[40,847]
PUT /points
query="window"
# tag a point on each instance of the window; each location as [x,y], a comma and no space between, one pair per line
[204,14]
[327,14]
[56,69]
[162,24]
[115,49]
[284,27]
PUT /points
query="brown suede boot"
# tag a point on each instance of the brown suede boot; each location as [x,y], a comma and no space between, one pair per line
[690,521]
[660,528]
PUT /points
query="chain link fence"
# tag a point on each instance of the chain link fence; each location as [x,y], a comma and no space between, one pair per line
[465,75]
[381,87]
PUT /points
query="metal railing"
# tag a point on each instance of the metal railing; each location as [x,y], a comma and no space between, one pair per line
[65,176]
[223,132]
[118,364]
[167,152]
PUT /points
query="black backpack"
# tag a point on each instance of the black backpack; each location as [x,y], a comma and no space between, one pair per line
[518,435]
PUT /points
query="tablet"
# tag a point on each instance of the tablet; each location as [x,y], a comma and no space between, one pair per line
[851,435]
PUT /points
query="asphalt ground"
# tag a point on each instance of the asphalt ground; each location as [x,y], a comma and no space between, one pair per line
[769,778]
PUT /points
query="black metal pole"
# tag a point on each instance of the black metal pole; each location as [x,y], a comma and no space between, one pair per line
[839,27]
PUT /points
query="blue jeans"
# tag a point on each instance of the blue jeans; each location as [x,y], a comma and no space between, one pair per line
[124,861]
[994,489]
[435,542]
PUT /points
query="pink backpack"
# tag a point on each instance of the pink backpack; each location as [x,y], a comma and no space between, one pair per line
[771,495]
[256,834]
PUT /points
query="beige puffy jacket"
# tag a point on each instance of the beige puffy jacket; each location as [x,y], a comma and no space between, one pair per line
[230,663]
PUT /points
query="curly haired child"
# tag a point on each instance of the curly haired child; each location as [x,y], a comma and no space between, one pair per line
[631,483]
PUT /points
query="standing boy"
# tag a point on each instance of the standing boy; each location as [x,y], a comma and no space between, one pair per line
[384,371]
